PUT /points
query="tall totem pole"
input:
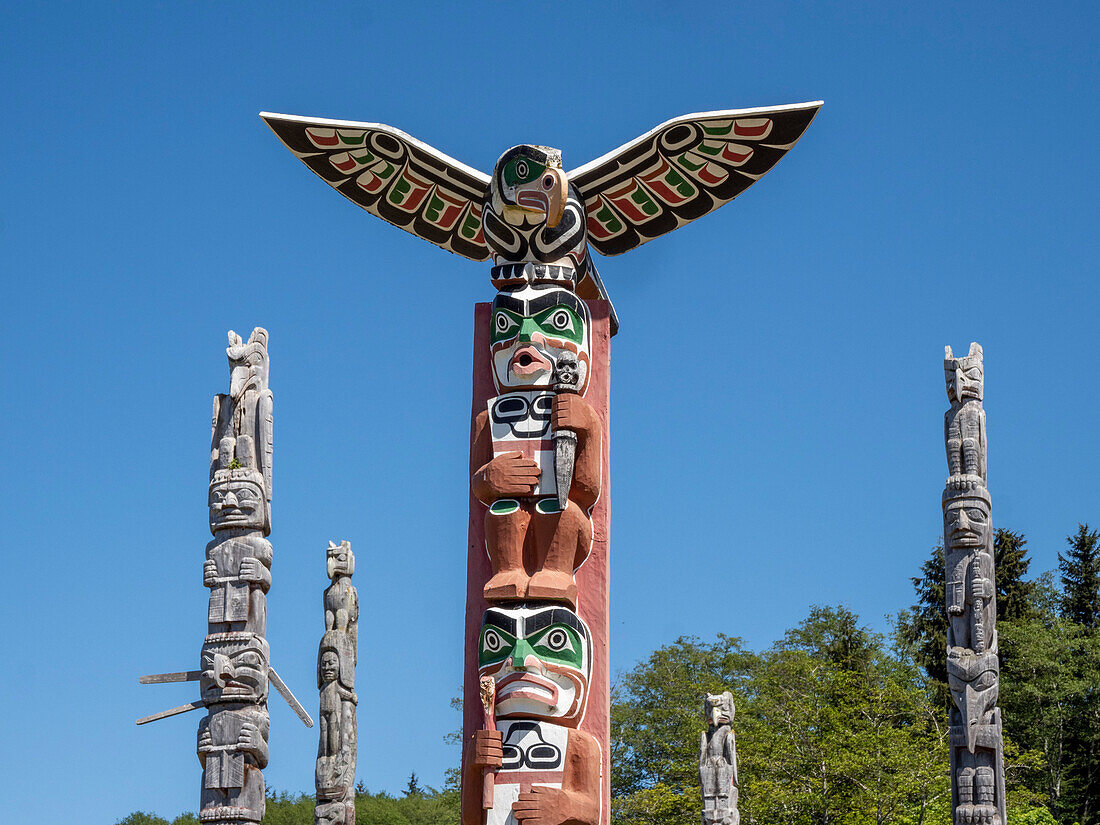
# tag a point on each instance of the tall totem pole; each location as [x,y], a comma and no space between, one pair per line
[537,688]
[235,668]
[336,658]
[977,760]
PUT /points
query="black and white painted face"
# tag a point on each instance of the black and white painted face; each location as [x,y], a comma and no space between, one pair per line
[234,668]
[540,659]
[530,328]
[237,501]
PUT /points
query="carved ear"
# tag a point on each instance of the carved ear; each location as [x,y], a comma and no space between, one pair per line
[234,339]
[259,335]
[331,544]
[975,348]
[947,356]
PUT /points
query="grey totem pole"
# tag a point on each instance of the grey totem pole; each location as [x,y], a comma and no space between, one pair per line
[336,658]
[977,761]
[718,762]
[235,669]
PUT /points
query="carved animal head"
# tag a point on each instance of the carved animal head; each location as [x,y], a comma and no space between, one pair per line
[964,375]
[541,660]
[248,362]
[234,668]
[530,329]
[528,185]
[718,708]
[973,680]
[340,560]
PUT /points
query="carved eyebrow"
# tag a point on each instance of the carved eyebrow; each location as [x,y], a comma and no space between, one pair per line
[557,615]
[555,298]
[499,619]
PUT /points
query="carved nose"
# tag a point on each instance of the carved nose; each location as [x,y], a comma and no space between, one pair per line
[223,670]
[230,500]
[964,522]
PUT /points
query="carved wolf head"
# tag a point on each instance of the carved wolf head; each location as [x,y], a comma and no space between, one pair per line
[964,375]
[718,708]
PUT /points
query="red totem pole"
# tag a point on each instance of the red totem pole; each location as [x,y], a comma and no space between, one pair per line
[537,689]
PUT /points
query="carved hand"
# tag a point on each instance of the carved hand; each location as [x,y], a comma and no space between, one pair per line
[250,569]
[488,752]
[209,572]
[250,738]
[572,412]
[509,474]
[980,586]
[551,806]
[206,741]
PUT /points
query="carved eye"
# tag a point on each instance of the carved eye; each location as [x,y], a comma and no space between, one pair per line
[975,514]
[492,642]
[521,169]
[548,182]
[561,320]
[556,640]
[503,323]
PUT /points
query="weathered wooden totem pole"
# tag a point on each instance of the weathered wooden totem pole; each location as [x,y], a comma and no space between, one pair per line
[235,668]
[718,762]
[977,760]
[336,659]
[537,688]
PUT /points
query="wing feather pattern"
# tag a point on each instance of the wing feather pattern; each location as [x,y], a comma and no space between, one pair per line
[394,176]
[681,170]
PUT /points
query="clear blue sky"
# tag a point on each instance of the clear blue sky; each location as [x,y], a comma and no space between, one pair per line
[777,387]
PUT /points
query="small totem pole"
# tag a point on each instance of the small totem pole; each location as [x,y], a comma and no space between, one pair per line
[718,762]
[235,665]
[977,760]
[537,686]
[336,658]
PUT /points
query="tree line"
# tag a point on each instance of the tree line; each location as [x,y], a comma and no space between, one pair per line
[839,725]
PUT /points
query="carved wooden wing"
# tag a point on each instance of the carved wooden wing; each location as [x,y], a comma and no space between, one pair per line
[682,170]
[394,176]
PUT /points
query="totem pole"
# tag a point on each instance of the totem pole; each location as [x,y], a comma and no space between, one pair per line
[235,668]
[718,762]
[336,658]
[977,759]
[537,690]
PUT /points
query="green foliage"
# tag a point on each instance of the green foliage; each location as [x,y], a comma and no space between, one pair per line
[142,818]
[1080,568]
[1014,594]
[831,728]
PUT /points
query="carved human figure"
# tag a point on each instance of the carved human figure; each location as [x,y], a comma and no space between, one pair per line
[232,749]
[533,544]
[341,598]
[238,572]
[964,422]
[546,770]
[968,546]
[718,762]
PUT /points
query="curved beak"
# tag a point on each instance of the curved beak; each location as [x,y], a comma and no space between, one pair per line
[556,197]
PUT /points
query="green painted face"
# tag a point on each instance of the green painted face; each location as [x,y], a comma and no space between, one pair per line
[529,329]
[557,644]
[521,170]
[559,321]
[540,659]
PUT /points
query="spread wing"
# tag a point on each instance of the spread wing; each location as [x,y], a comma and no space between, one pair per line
[682,170]
[394,176]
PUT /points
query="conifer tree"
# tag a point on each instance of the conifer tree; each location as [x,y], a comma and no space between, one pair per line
[1080,568]
[1011,561]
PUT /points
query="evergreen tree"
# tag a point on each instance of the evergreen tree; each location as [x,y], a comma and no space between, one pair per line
[1080,568]
[414,788]
[922,630]
[1011,562]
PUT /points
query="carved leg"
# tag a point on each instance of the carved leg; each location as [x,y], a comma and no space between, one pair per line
[964,814]
[562,540]
[985,795]
[954,447]
[505,530]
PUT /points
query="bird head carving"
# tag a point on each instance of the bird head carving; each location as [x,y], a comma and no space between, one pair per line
[529,186]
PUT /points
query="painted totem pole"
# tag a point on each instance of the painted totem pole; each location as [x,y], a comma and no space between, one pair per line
[537,690]
[336,659]
[718,762]
[977,760]
[235,668]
